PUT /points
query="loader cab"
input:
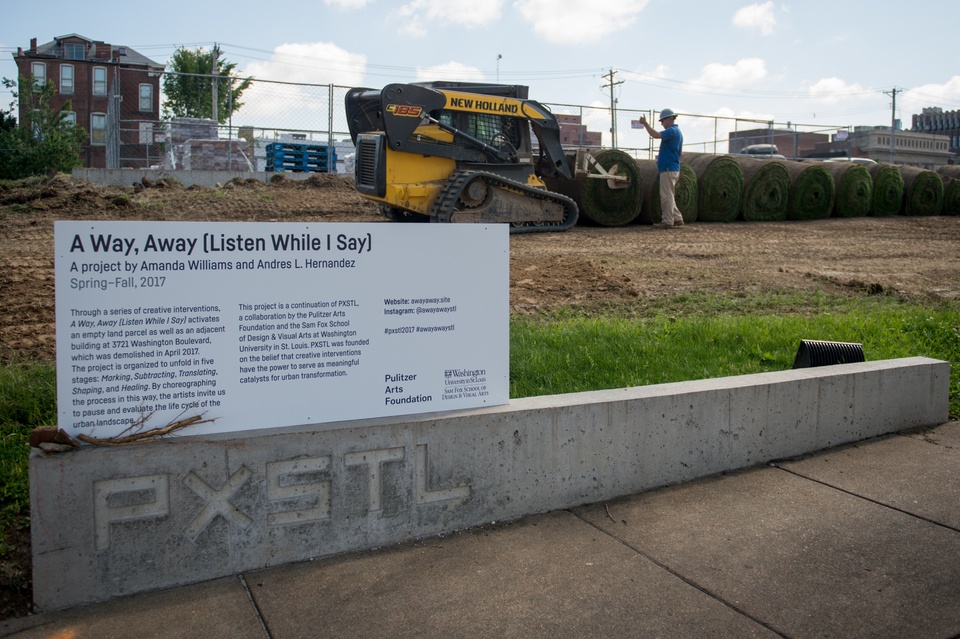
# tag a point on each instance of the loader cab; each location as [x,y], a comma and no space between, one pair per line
[501,132]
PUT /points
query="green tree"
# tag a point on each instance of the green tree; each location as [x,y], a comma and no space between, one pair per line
[188,86]
[7,121]
[46,141]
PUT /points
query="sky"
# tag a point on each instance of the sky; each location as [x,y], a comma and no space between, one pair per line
[809,62]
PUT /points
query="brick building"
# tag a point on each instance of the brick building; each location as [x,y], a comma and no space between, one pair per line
[574,133]
[114,94]
[936,121]
[789,143]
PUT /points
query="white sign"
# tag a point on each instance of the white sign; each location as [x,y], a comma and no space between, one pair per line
[260,325]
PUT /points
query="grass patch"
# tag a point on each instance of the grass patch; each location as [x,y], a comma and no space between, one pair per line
[27,400]
[571,350]
[708,336]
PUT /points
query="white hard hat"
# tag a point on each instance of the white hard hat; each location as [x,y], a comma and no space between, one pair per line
[667,113]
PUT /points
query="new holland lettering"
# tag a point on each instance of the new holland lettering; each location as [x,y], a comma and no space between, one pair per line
[497,107]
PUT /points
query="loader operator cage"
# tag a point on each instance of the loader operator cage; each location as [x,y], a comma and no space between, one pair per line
[488,128]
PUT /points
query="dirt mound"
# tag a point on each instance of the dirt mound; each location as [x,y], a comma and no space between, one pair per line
[586,266]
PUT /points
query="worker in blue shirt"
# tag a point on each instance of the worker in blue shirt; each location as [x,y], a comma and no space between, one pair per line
[668,165]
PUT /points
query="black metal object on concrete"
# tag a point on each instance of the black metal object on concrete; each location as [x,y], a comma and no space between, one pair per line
[818,353]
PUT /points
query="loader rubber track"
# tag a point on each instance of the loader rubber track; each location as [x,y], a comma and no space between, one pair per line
[445,204]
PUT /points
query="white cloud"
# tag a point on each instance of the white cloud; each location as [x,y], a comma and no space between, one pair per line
[413,27]
[450,71]
[945,95]
[831,90]
[743,73]
[291,105]
[311,62]
[661,71]
[757,17]
[466,13]
[578,21]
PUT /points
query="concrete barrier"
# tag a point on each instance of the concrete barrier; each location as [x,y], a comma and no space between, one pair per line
[114,521]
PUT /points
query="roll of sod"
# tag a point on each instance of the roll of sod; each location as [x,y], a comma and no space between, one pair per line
[854,188]
[951,188]
[686,193]
[766,190]
[719,186]
[612,207]
[951,196]
[887,190]
[922,191]
[949,170]
[598,203]
[812,191]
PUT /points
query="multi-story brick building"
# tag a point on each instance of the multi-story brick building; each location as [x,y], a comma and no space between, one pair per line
[114,94]
[939,122]
[573,132]
[790,143]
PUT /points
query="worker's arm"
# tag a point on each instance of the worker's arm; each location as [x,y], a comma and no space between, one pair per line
[652,131]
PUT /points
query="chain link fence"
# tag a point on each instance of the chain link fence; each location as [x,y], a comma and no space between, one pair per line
[277,120]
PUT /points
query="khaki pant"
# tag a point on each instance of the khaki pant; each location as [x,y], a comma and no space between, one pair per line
[669,213]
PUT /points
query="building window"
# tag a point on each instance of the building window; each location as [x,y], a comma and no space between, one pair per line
[146,97]
[39,71]
[98,128]
[146,132]
[66,78]
[74,51]
[70,119]
[99,80]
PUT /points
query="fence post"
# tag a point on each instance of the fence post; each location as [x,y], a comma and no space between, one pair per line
[331,161]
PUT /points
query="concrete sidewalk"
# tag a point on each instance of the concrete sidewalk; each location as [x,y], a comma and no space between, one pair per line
[859,541]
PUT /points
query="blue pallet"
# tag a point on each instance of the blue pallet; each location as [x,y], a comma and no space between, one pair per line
[299,157]
[284,146]
[291,169]
[296,163]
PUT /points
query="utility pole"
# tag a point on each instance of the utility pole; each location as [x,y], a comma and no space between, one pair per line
[893,122]
[498,67]
[613,106]
[213,76]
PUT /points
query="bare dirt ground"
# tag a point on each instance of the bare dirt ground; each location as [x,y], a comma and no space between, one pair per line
[587,266]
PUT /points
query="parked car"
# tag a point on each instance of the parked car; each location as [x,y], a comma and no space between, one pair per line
[856,160]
